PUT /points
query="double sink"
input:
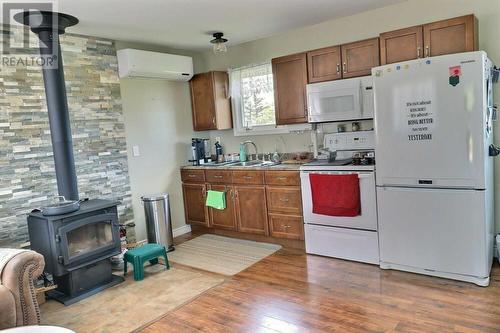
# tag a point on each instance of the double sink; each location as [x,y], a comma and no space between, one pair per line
[248,164]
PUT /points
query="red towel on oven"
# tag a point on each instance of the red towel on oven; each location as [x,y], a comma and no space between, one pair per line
[335,195]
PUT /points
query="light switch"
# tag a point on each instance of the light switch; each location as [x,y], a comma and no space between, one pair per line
[135,151]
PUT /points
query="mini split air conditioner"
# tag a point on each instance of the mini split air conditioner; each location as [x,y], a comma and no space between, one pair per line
[146,64]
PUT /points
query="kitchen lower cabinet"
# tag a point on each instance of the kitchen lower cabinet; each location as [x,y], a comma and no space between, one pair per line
[194,203]
[224,219]
[251,209]
[286,226]
[284,199]
[262,202]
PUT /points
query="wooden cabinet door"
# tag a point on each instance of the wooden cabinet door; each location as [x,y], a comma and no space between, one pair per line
[203,102]
[286,226]
[223,116]
[451,36]
[282,178]
[192,176]
[284,199]
[251,210]
[290,79]
[401,45]
[224,219]
[248,177]
[358,58]
[194,203]
[324,64]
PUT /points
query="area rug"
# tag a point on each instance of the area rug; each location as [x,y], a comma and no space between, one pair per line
[223,255]
[131,304]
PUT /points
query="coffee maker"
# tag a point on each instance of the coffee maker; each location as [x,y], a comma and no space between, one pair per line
[200,151]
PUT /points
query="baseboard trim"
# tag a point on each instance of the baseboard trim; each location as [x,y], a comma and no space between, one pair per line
[480,281]
[182,230]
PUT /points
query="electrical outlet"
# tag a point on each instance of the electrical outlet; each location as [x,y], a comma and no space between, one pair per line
[135,151]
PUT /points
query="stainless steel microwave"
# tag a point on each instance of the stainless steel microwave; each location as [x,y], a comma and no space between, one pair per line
[340,100]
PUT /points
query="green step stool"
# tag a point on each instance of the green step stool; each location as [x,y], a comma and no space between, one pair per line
[138,256]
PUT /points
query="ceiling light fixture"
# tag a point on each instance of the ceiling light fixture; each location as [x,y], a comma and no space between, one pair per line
[219,43]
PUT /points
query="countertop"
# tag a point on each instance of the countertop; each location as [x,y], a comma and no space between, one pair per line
[278,167]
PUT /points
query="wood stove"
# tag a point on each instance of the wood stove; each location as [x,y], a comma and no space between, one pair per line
[77,247]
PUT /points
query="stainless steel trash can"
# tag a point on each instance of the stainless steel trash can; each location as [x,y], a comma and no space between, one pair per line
[158,222]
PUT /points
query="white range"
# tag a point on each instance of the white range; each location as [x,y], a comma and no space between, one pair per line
[352,238]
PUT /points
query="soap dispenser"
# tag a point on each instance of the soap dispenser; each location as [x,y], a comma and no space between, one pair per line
[243,152]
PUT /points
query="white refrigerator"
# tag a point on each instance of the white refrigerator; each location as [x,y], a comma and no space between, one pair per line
[433,129]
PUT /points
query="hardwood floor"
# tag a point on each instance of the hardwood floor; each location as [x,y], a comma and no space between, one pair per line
[290,291]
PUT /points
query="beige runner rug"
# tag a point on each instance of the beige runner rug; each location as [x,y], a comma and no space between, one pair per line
[131,304]
[223,255]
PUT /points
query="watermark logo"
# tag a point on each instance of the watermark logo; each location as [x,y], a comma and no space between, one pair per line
[21,45]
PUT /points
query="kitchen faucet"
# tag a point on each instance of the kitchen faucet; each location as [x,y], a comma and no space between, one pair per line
[244,143]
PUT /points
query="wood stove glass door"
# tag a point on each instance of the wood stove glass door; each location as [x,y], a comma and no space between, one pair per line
[88,237]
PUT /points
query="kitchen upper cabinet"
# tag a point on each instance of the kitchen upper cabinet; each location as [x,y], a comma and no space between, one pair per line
[224,219]
[251,210]
[344,61]
[290,79]
[194,203]
[210,101]
[324,64]
[443,37]
[401,45]
[358,58]
[451,36]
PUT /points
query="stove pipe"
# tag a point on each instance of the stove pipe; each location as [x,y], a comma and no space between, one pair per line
[48,26]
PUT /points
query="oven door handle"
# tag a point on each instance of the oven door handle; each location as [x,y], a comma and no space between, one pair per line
[360,174]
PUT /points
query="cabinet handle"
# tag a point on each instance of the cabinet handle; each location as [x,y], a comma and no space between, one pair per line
[418,52]
[281,178]
[191,176]
[213,121]
[204,192]
[338,69]
[248,177]
[284,200]
[236,193]
[344,67]
[218,176]
[231,194]
[286,226]
[427,51]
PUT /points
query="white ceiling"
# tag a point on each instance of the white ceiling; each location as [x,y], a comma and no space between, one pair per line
[188,24]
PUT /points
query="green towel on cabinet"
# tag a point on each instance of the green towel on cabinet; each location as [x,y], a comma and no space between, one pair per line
[216,199]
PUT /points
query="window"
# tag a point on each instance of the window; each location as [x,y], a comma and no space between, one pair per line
[252,97]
